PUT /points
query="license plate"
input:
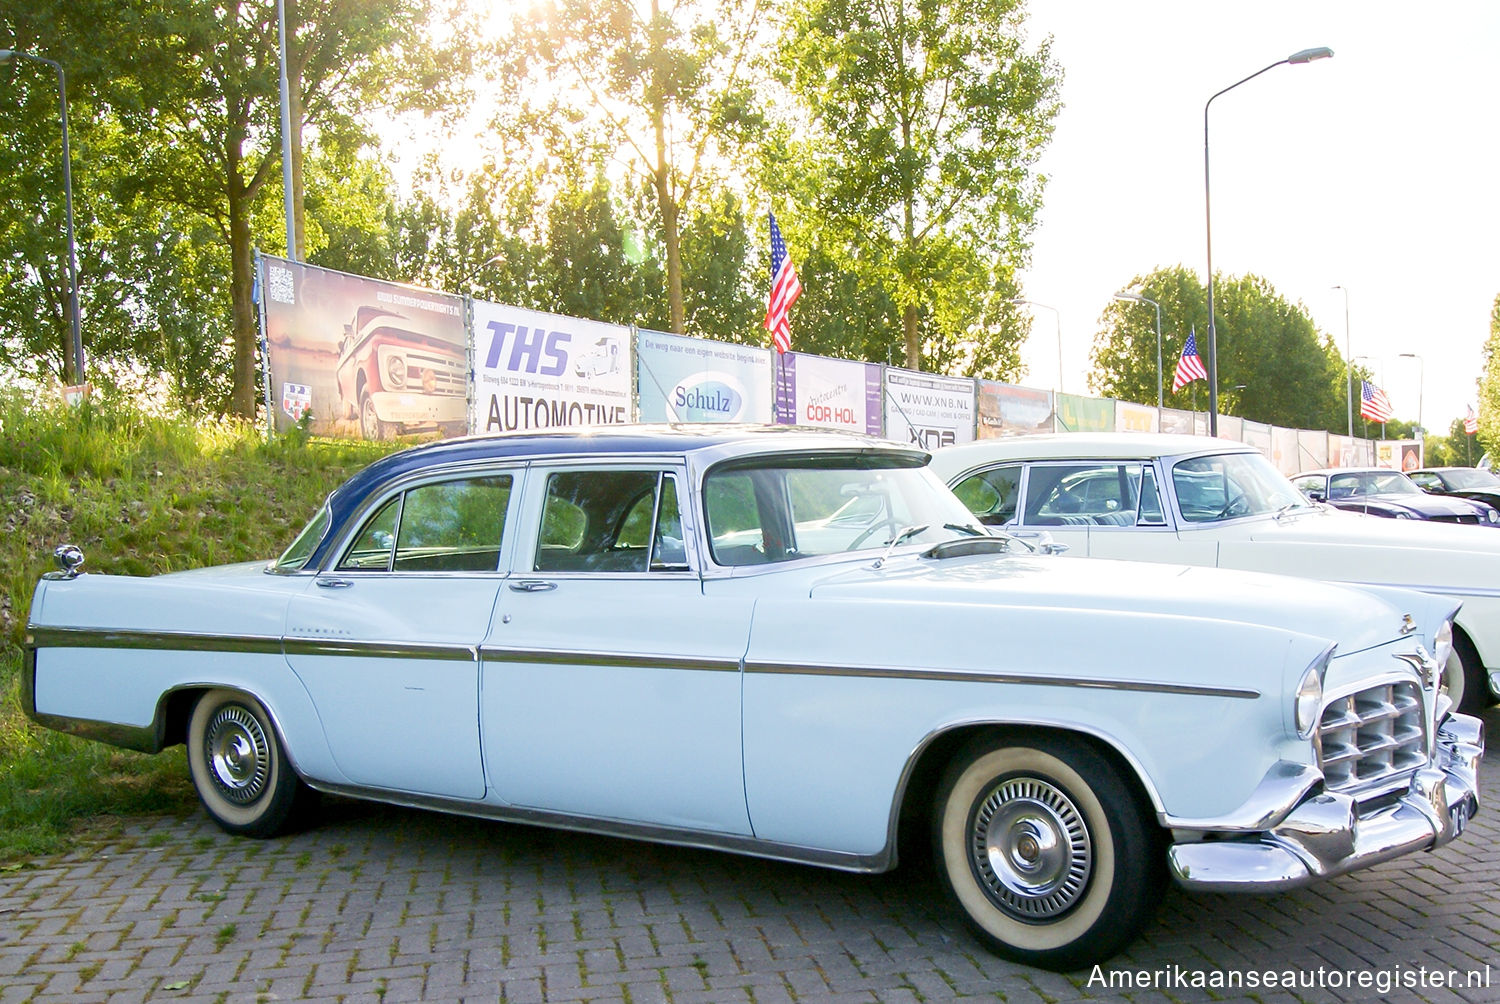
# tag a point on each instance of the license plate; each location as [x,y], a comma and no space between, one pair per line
[1458,817]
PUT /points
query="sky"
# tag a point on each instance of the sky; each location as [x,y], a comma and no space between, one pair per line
[1375,170]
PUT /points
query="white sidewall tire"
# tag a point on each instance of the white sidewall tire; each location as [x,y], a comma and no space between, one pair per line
[268,812]
[1121,892]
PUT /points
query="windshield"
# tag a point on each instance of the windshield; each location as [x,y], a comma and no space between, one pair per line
[1471,480]
[782,508]
[1231,485]
[1371,483]
[294,557]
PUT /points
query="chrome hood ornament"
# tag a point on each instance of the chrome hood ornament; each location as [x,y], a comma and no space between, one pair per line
[69,560]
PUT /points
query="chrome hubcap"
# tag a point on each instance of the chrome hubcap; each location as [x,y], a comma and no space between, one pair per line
[239,756]
[1030,849]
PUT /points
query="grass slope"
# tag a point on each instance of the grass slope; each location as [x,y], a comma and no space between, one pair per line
[140,495]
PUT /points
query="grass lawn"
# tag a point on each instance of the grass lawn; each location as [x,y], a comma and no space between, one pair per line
[140,495]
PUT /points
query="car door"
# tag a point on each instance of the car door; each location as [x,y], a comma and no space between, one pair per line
[386,637]
[611,684]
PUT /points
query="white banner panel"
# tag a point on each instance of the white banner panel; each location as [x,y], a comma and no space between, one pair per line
[1131,417]
[832,393]
[683,379]
[927,410]
[544,371]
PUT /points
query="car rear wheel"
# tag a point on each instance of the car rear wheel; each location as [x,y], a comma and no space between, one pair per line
[1048,856]
[240,768]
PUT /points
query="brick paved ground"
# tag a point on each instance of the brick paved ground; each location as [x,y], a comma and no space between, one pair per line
[387,905]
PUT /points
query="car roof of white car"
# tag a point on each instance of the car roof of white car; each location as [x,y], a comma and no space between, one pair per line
[1082,446]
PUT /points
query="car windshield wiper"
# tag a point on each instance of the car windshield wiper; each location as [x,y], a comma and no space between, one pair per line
[968,528]
[902,536]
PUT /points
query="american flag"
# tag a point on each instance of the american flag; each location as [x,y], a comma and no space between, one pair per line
[785,288]
[1189,366]
[1373,404]
[1471,421]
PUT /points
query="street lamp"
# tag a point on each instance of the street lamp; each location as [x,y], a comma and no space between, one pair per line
[1348,363]
[8,56]
[1305,56]
[1057,314]
[1126,294]
[1421,380]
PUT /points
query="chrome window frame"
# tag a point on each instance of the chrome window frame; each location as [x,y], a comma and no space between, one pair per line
[539,471]
[348,534]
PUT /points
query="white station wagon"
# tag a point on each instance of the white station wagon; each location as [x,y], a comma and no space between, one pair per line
[1200,501]
[789,644]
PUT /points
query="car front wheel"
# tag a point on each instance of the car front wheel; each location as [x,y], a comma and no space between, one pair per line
[240,768]
[1050,859]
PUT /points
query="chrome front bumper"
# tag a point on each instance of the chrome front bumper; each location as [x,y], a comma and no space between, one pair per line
[1325,835]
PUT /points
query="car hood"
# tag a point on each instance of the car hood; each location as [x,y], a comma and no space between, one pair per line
[1438,557]
[1352,618]
[1430,506]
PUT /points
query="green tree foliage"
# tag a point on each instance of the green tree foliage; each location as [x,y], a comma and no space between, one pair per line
[669,90]
[1489,387]
[1456,449]
[1292,375]
[926,124]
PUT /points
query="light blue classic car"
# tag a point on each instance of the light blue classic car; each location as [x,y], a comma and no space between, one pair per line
[790,644]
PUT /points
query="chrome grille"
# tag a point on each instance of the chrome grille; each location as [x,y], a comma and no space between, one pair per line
[449,372]
[1372,737]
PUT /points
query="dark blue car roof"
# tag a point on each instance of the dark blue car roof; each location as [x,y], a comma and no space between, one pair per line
[641,439]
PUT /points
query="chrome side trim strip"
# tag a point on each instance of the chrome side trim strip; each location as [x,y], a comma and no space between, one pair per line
[1018,679]
[55,637]
[381,649]
[607,660]
[706,840]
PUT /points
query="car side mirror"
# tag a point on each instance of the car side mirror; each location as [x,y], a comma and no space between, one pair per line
[1316,496]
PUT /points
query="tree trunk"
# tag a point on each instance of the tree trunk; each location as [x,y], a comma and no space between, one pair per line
[669,209]
[913,337]
[241,282]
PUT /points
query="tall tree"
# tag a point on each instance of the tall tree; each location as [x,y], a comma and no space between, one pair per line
[669,90]
[926,123]
[1489,387]
[1274,366]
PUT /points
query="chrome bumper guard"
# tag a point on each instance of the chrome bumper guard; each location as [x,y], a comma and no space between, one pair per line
[1325,835]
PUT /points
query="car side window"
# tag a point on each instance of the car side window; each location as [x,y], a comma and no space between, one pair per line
[611,521]
[992,495]
[1427,481]
[1099,494]
[447,526]
[1151,513]
[372,551]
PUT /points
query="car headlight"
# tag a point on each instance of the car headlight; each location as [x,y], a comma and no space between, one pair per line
[395,371]
[1403,515]
[1310,696]
[1442,646]
[1492,516]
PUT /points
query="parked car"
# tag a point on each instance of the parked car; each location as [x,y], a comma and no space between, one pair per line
[398,374]
[784,643]
[1377,491]
[1464,482]
[1203,501]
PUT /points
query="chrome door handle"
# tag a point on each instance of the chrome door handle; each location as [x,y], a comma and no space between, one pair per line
[532,586]
[334,583]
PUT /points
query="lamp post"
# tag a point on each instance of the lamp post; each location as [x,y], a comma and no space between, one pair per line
[1305,56]
[1348,362]
[1057,314]
[1126,294]
[10,55]
[1421,380]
